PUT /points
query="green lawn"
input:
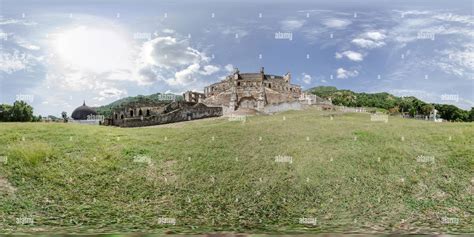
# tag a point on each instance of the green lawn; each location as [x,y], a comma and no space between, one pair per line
[347,173]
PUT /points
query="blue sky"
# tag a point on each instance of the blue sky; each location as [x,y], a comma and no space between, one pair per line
[55,54]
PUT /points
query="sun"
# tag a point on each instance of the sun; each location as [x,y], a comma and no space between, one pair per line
[93,49]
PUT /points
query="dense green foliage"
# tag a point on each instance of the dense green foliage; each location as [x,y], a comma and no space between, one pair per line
[20,111]
[405,105]
[153,99]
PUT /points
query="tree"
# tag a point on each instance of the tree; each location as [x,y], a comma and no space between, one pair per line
[5,112]
[64,116]
[394,110]
[405,105]
[21,112]
[471,115]
[426,109]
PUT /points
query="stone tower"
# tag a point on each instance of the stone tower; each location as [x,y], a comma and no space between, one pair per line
[261,101]
[233,96]
[287,77]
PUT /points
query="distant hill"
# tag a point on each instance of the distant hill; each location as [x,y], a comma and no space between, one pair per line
[393,104]
[147,100]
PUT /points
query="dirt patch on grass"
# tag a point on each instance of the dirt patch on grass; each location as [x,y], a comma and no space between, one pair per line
[167,170]
[162,172]
[6,187]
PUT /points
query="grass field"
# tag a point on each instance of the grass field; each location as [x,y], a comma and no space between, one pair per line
[347,174]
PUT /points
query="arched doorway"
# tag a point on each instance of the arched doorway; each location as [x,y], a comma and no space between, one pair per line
[247,103]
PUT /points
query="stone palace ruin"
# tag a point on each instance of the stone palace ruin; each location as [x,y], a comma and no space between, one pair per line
[238,94]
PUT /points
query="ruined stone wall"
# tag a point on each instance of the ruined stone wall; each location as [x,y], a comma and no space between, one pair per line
[184,114]
[274,97]
[284,106]
[145,110]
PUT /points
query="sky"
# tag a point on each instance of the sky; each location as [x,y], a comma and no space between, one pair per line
[56,54]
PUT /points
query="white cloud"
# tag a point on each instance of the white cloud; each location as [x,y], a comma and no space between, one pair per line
[17,22]
[233,31]
[306,78]
[411,12]
[191,73]
[168,31]
[337,23]
[229,67]
[464,19]
[291,24]
[343,73]
[370,39]
[375,35]
[351,55]
[26,44]
[450,33]
[365,43]
[458,62]
[409,29]
[148,74]
[169,52]
[185,76]
[209,69]
[12,62]
[111,93]
[172,61]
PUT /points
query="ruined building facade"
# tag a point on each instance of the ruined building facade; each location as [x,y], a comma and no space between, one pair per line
[138,115]
[249,91]
[239,93]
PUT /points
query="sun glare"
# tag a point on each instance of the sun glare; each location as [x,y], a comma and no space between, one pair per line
[93,49]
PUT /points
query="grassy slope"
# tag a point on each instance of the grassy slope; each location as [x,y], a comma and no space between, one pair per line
[232,182]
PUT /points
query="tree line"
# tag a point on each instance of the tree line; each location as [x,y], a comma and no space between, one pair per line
[392,104]
[20,111]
